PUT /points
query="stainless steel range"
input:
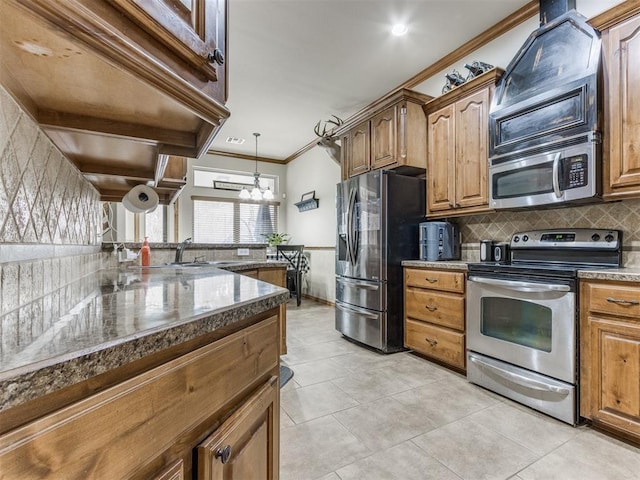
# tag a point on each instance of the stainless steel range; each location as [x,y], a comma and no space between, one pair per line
[522,317]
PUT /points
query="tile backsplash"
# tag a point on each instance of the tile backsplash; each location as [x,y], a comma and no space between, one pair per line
[50,220]
[44,199]
[623,215]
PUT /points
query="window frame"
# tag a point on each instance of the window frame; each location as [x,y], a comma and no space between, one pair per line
[236,216]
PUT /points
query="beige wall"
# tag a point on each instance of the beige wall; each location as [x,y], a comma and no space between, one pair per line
[50,220]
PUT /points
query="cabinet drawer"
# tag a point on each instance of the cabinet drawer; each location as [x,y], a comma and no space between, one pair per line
[434,279]
[440,343]
[444,309]
[618,300]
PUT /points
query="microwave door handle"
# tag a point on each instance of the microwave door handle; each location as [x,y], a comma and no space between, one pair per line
[556,179]
[522,286]
[520,379]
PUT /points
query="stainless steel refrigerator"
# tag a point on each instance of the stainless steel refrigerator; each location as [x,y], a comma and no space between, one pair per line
[378,217]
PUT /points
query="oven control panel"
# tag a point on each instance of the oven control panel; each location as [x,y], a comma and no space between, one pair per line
[585,238]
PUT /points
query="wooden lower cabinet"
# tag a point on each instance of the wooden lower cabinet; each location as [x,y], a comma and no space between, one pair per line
[434,315]
[150,425]
[243,447]
[610,356]
[278,276]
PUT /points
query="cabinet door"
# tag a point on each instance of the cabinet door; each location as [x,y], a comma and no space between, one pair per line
[193,29]
[383,138]
[345,155]
[246,444]
[472,116]
[622,64]
[172,472]
[440,159]
[360,153]
[278,276]
[613,359]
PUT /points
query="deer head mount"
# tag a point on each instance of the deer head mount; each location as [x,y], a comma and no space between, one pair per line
[327,138]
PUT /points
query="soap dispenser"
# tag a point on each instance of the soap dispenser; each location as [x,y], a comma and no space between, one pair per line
[145,253]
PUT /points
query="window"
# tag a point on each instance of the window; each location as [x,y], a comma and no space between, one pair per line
[230,180]
[233,221]
[155,224]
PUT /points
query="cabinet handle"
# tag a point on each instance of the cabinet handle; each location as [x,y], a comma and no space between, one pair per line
[431,342]
[431,308]
[431,280]
[223,453]
[622,302]
[216,57]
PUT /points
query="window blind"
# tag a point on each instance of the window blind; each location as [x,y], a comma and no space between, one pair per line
[233,221]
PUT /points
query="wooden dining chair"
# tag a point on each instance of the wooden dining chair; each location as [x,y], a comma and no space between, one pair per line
[293,255]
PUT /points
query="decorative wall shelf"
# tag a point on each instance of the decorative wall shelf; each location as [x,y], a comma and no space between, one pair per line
[308,201]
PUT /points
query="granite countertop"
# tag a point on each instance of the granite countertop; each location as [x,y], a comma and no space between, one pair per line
[113,317]
[629,274]
[443,265]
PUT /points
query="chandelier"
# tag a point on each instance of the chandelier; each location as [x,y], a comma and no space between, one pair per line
[257,193]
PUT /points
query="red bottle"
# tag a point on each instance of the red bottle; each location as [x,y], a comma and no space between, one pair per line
[145,253]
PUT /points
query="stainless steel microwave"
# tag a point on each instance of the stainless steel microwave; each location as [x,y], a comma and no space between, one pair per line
[569,173]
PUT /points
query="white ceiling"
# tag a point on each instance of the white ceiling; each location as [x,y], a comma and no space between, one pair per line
[294,62]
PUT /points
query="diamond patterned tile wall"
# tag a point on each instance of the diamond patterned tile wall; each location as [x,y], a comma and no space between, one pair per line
[624,215]
[44,199]
[47,206]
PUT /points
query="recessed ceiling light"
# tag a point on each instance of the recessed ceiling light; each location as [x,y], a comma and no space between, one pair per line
[399,29]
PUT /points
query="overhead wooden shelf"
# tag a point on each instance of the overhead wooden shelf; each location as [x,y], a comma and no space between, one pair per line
[110,92]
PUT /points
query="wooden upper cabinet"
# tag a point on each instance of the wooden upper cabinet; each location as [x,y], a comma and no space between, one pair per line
[622,109]
[441,160]
[388,135]
[193,29]
[121,85]
[383,138]
[360,149]
[457,141]
[471,185]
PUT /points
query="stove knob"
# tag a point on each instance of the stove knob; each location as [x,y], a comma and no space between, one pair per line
[595,237]
[609,237]
[516,239]
[525,238]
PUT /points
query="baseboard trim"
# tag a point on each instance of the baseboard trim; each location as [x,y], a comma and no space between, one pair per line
[319,300]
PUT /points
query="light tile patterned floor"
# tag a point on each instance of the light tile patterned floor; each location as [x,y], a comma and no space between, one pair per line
[350,413]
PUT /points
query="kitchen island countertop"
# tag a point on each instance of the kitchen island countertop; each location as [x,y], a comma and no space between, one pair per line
[442,265]
[113,317]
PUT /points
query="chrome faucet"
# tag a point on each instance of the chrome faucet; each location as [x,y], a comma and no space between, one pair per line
[180,249]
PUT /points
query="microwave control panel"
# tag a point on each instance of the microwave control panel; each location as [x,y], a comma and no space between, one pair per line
[574,172]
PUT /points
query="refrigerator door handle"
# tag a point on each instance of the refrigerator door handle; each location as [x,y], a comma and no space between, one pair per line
[351,231]
[356,310]
[358,283]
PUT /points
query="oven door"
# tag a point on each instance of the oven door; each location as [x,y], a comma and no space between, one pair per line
[528,323]
[566,174]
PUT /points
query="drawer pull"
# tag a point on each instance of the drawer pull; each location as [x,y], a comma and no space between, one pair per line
[431,280]
[431,342]
[431,308]
[622,302]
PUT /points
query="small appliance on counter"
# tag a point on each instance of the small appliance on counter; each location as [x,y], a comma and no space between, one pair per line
[486,250]
[439,241]
[501,252]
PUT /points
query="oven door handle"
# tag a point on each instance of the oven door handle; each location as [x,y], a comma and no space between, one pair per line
[522,286]
[556,179]
[520,379]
